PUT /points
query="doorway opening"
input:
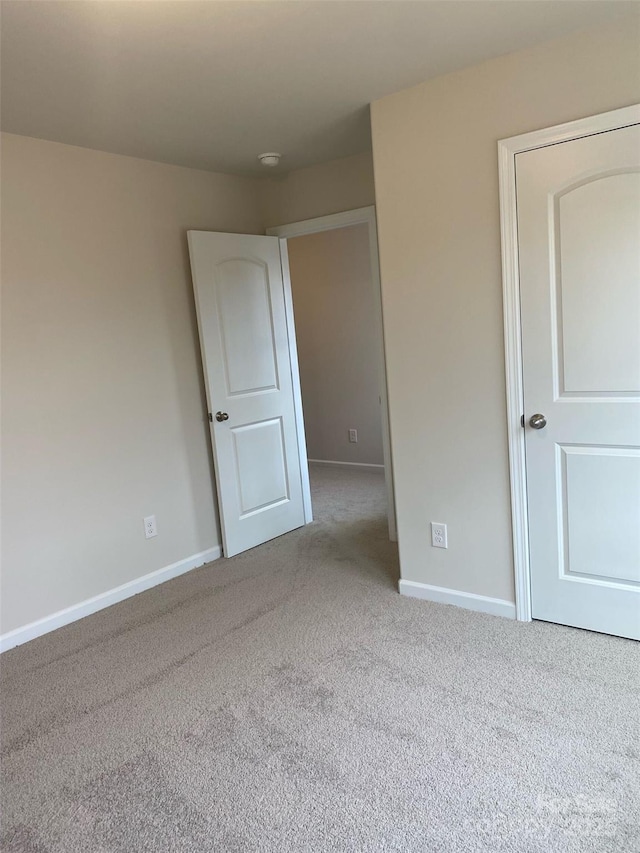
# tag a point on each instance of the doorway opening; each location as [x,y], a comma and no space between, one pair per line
[332,286]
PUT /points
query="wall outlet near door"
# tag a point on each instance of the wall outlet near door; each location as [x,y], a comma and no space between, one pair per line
[439,534]
[150,529]
[353,436]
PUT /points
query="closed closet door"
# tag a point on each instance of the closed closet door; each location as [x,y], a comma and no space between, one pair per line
[578,208]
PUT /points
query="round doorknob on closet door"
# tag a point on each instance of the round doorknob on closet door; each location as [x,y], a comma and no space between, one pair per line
[537,421]
[222,416]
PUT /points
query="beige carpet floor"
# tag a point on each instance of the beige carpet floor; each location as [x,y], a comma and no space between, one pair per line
[289,699]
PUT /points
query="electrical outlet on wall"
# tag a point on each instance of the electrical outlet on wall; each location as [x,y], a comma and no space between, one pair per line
[150,529]
[439,534]
[353,436]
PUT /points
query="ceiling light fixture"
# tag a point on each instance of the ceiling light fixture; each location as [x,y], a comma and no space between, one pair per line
[271,158]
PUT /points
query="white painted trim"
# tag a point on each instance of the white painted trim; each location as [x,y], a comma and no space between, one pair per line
[362,215]
[363,466]
[507,151]
[467,600]
[514,381]
[295,383]
[323,223]
[105,599]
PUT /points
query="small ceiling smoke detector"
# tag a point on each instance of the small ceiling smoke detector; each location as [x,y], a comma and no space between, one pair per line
[270,158]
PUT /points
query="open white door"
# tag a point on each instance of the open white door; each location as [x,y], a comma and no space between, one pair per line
[579,253]
[244,339]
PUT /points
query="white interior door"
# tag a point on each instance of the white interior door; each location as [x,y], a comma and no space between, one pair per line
[244,339]
[579,255]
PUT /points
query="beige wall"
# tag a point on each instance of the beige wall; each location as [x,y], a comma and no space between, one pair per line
[104,417]
[337,343]
[332,187]
[103,410]
[436,177]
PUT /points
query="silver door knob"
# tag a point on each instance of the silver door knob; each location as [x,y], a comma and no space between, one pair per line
[222,416]
[537,421]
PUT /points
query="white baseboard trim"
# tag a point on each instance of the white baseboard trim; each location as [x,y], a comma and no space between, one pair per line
[363,466]
[105,599]
[468,600]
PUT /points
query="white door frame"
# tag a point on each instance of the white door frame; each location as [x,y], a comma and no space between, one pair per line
[360,216]
[507,150]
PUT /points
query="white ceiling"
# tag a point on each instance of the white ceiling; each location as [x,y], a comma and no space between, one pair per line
[213,84]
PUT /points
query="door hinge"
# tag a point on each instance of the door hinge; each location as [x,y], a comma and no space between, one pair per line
[211,418]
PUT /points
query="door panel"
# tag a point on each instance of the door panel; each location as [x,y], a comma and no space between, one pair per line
[261,465]
[244,339]
[244,309]
[600,489]
[579,255]
[597,227]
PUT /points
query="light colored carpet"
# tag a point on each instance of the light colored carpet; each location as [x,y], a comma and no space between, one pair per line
[290,700]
